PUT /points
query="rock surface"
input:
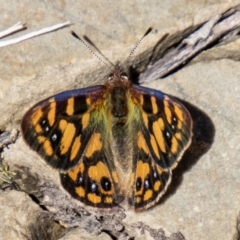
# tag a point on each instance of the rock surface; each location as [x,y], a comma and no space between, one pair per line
[203,200]
[22,218]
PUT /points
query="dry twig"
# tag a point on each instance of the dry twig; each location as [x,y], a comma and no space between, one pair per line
[212,32]
[18,27]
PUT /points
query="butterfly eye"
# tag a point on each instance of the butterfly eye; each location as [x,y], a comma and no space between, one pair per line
[110,75]
[124,75]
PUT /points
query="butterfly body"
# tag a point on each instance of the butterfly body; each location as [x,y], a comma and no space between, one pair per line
[113,144]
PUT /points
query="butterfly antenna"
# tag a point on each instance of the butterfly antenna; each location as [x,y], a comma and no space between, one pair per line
[87,46]
[88,40]
[137,44]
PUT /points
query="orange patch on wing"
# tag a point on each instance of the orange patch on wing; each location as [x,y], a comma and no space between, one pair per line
[98,171]
[38,128]
[159,170]
[48,147]
[141,99]
[62,125]
[159,135]
[148,195]
[180,124]
[93,198]
[108,200]
[154,146]
[75,147]
[94,145]
[52,113]
[174,145]
[85,120]
[145,119]
[156,186]
[70,106]
[142,143]
[80,191]
[73,174]
[168,112]
[67,138]
[41,139]
[178,112]
[178,136]
[161,124]
[88,101]
[36,116]
[154,105]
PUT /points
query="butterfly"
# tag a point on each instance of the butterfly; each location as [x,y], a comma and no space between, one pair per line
[114,144]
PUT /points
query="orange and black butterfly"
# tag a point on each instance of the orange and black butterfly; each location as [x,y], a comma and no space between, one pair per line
[113,144]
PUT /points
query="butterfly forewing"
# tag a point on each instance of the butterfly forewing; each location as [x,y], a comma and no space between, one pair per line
[167,125]
[59,127]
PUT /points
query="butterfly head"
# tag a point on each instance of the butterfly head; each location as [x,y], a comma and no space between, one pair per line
[117,78]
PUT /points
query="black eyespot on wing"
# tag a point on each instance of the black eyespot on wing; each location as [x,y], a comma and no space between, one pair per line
[106,184]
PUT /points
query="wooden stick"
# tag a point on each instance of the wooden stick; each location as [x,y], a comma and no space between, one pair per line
[29,35]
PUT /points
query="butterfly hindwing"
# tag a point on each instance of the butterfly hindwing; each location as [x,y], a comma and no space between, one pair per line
[94,180]
[163,136]
[148,180]
[59,128]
